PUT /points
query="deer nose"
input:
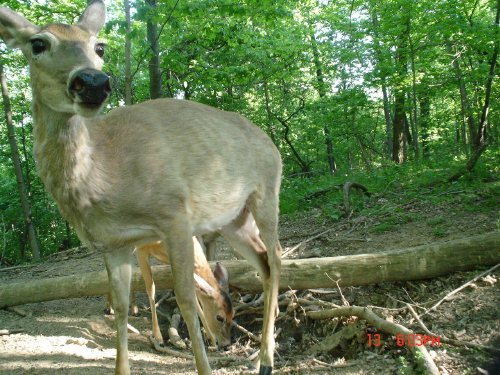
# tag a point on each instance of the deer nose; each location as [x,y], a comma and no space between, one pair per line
[91,86]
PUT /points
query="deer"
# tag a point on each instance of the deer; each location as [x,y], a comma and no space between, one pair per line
[161,170]
[215,307]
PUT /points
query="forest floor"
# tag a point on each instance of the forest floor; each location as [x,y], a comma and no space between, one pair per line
[74,336]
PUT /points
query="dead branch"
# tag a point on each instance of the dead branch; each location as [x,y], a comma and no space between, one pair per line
[173,333]
[318,193]
[338,364]
[446,340]
[5,332]
[249,334]
[334,340]
[381,324]
[347,187]
[421,262]
[446,297]
[132,329]
[18,311]
[288,252]
[163,349]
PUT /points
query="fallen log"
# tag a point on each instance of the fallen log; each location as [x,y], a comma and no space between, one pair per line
[421,262]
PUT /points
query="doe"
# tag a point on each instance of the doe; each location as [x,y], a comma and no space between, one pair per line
[163,170]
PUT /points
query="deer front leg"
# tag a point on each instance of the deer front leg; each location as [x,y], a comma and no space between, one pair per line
[181,253]
[119,275]
[255,237]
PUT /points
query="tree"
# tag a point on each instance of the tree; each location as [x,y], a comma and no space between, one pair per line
[154,61]
[128,51]
[23,192]
[479,138]
[399,123]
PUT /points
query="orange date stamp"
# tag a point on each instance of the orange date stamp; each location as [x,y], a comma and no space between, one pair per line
[410,340]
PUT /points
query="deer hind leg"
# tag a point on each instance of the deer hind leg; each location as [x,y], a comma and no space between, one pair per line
[119,269]
[179,242]
[145,267]
[243,235]
[266,217]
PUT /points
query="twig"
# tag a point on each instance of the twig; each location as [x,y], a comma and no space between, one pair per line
[64,252]
[322,291]
[5,332]
[18,311]
[446,340]
[173,334]
[246,332]
[163,298]
[255,354]
[317,302]
[19,267]
[460,288]
[131,328]
[419,321]
[292,249]
[334,365]
[169,351]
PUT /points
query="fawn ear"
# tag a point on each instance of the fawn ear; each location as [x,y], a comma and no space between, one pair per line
[203,285]
[93,17]
[222,276]
[15,30]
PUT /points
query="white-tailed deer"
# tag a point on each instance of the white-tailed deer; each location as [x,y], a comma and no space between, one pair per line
[164,170]
[211,287]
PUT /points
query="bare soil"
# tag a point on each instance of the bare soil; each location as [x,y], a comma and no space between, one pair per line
[74,336]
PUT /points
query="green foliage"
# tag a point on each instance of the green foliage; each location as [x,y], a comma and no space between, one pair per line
[296,68]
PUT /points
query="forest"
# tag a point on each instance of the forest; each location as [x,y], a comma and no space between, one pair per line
[392,94]
[386,116]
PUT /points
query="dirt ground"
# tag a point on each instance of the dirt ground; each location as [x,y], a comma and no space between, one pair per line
[74,336]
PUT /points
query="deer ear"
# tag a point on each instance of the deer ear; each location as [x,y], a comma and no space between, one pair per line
[15,30]
[222,276]
[93,17]
[203,285]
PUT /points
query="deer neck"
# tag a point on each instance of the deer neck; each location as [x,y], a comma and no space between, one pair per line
[63,152]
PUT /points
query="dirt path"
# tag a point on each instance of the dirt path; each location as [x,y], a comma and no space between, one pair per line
[75,337]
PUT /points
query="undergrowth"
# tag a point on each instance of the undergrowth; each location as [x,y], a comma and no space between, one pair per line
[396,192]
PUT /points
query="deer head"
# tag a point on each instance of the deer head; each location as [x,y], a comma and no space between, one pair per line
[65,61]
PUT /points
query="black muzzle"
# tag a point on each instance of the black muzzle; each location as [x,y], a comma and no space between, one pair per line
[91,86]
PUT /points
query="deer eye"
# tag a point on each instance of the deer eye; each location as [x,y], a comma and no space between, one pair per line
[99,49]
[220,318]
[38,46]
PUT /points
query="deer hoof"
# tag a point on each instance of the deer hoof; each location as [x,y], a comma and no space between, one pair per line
[265,370]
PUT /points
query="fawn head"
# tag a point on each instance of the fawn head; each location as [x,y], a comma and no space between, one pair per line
[217,306]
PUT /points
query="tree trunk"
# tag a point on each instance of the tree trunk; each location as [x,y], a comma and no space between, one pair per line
[414,119]
[479,141]
[382,75]
[425,115]
[154,62]
[332,165]
[464,97]
[387,117]
[23,192]
[398,125]
[270,125]
[128,48]
[421,262]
